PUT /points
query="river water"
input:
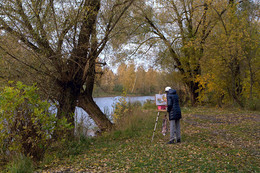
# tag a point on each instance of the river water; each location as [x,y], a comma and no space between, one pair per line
[106,106]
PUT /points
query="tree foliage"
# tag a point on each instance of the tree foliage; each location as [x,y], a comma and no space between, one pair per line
[230,73]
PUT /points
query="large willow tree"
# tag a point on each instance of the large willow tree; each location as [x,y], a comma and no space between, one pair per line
[64,38]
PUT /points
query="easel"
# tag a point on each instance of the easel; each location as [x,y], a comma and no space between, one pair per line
[158,114]
[161,107]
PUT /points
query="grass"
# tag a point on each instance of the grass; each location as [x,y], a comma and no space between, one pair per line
[213,140]
[20,164]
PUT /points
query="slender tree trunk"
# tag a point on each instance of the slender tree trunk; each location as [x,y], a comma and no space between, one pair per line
[134,84]
[87,103]
[251,79]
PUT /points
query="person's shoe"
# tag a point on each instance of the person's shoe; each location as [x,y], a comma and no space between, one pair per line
[170,142]
[178,140]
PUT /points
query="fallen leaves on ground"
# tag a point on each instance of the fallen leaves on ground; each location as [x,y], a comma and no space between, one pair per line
[213,140]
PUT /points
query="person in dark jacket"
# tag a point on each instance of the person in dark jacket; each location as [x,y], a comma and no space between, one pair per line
[174,110]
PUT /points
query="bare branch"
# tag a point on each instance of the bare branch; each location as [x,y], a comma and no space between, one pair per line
[102,44]
[43,42]
[19,36]
[54,17]
[167,43]
[142,43]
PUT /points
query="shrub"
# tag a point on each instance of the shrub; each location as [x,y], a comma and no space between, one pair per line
[26,125]
[253,104]
[120,108]
[149,104]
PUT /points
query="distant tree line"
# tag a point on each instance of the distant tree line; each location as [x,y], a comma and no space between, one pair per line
[135,80]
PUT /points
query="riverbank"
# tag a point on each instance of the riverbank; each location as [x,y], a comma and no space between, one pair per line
[213,140]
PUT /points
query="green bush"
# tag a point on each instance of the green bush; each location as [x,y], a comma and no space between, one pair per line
[253,104]
[26,125]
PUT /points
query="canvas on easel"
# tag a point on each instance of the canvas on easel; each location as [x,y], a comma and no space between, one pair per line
[161,102]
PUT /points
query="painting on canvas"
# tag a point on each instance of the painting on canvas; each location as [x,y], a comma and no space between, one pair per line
[161,99]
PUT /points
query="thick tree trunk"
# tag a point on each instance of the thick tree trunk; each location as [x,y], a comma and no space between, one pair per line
[87,103]
[67,105]
[192,84]
[236,86]
[193,89]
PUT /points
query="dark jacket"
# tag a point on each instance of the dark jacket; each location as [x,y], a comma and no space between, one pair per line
[173,106]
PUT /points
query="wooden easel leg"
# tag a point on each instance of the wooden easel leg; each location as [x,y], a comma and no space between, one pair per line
[158,114]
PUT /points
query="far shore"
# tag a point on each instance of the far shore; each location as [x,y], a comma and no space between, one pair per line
[119,94]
